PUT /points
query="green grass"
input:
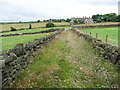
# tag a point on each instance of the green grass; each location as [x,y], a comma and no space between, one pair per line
[31,30]
[10,42]
[102,32]
[68,62]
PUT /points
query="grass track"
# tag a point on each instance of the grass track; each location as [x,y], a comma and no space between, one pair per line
[68,62]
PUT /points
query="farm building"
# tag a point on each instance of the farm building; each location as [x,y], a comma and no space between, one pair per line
[85,20]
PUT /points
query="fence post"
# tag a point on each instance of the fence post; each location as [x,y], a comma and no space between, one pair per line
[106,38]
[96,35]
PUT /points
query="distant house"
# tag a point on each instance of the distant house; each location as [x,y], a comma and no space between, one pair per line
[85,20]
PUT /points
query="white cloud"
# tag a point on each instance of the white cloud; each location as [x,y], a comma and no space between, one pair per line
[27,10]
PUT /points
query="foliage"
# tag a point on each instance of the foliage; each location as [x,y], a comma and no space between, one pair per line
[50,25]
[112,17]
[13,29]
[38,21]
[58,20]
[78,22]
[68,20]
[30,26]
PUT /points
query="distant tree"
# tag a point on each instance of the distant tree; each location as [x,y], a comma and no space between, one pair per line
[38,21]
[80,22]
[30,26]
[97,18]
[118,18]
[68,20]
[76,21]
[19,21]
[111,17]
[13,29]
[62,20]
[50,25]
[44,20]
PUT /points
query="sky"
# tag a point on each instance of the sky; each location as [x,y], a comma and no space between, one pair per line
[33,10]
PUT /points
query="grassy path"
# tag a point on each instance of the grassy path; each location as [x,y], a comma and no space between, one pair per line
[68,62]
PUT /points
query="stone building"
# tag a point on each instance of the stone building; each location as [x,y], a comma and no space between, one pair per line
[85,20]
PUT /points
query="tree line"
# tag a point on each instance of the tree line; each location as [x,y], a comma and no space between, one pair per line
[111,17]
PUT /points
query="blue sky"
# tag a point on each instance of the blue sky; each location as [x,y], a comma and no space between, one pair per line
[32,10]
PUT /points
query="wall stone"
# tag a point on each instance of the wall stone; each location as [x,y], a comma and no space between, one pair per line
[96,26]
[105,50]
[18,34]
[14,60]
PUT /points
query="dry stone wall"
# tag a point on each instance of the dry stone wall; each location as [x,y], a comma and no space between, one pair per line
[105,50]
[18,34]
[96,26]
[14,60]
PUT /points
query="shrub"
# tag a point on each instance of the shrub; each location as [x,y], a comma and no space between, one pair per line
[38,21]
[50,25]
[13,29]
[30,26]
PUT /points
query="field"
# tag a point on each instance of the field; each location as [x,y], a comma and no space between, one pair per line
[68,61]
[102,32]
[30,30]
[106,23]
[10,42]
[6,27]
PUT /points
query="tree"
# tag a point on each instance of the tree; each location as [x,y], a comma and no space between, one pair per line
[68,20]
[111,17]
[38,21]
[118,18]
[75,21]
[80,22]
[30,26]
[13,29]
[50,25]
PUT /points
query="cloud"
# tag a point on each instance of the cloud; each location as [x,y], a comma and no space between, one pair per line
[28,10]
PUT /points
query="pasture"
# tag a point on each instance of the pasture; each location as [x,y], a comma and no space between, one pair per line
[10,42]
[6,27]
[30,30]
[112,33]
[106,23]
